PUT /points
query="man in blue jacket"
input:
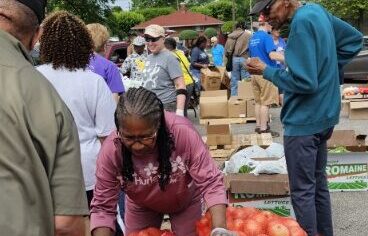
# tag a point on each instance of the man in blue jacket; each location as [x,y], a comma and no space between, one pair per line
[319,45]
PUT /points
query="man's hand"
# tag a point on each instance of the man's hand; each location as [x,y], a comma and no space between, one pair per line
[222,232]
[255,66]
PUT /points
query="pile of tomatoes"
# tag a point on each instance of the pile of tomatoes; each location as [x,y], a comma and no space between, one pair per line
[249,221]
[152,232]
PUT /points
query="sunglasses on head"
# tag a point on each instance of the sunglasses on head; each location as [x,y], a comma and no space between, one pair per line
[151,39]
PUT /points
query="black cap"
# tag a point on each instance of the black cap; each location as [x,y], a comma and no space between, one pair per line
[259,6]
[37,6]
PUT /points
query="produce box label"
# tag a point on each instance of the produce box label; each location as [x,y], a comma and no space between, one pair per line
[280,205]
[347,172]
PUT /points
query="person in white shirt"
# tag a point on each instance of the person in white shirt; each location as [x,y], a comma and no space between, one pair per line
[66,48]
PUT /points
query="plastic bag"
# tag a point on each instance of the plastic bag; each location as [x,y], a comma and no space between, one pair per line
[275,150]
[243,157]
[271,167]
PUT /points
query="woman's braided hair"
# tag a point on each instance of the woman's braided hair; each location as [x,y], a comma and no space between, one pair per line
[145,104]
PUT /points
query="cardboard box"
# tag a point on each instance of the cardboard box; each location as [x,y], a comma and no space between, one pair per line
[266,192]
[213,104]
[218,135]
[211,79]
[251,108]
[237,107]
[358,110]
[225,79]
[347,171]
[245,90]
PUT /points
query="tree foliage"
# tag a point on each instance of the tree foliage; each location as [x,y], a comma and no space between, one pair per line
[188,34]
[228,26]
[88,10]
[120,22]
[352,10]
[210,32]
[221,10]
[150,13]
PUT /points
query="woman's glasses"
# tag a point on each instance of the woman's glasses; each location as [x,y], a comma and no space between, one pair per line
[145,140]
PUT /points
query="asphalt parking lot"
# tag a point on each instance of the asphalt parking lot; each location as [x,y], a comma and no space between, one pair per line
[350,214]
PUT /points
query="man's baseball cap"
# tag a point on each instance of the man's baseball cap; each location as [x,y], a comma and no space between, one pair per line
[37,6]
[260,6]
[139,41]
[154,31]
[214,39]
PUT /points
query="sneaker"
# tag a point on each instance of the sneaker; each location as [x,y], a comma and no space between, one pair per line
[274,134]
[257,130]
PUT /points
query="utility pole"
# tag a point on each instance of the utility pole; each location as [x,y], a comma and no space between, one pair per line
[177,5]
[251,18]
[233,11]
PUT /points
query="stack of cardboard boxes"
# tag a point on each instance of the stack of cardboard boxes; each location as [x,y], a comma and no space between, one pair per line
[216,105]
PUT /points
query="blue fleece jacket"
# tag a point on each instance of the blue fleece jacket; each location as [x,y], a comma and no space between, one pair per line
[318,47]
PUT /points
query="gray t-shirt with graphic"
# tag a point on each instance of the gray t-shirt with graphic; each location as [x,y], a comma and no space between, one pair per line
[159,73]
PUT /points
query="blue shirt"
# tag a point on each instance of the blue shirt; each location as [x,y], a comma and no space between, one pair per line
[260,45]
[198,56]
[319,45]
[280,48]
[218,54]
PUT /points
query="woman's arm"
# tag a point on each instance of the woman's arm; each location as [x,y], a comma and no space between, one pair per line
[218,214]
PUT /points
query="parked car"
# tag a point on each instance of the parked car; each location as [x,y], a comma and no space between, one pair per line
[357,69]
[116,52]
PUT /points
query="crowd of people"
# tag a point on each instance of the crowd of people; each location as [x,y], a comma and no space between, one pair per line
[76,145]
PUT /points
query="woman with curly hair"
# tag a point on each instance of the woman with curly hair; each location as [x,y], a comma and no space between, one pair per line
[65,48]
[161,163]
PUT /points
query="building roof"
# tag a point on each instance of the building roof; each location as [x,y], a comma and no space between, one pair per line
[181,18]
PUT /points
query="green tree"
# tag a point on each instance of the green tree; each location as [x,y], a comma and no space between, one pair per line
[120,22]
[88,10]
[210,32]
[150,13]
[351,10]
[188,35]
[228,26]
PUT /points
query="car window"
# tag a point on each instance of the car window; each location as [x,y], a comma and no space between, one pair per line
[119,55]
[365,43]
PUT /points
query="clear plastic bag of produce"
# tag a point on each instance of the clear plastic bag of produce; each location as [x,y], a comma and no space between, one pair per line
[275,150]
[243,157]
[271,167]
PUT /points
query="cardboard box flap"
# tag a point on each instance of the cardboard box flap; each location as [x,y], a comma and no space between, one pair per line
[359,105]
[218,129]
[215,93]
[262,184]
[348,139]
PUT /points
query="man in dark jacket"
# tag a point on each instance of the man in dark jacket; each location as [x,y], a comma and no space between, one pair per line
[237,47]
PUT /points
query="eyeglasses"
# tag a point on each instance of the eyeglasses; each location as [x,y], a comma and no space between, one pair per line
[145,140]
[152,39]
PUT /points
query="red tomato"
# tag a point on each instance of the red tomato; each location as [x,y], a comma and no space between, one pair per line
[297,231]
[260,218]
[277,229]
[230,224]
[252,227]
[240,233]
[167,233]
[262,235]
[230,212]
[153,231]
[134,234]
[238,225]
[289,222]
[205,222]
[143,233]
[250,211]
[240,214]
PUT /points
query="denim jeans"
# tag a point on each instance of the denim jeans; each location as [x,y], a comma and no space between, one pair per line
[237,74]
[306,159]
[197,78]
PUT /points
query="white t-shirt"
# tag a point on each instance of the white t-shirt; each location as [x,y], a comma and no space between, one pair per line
[92,105]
